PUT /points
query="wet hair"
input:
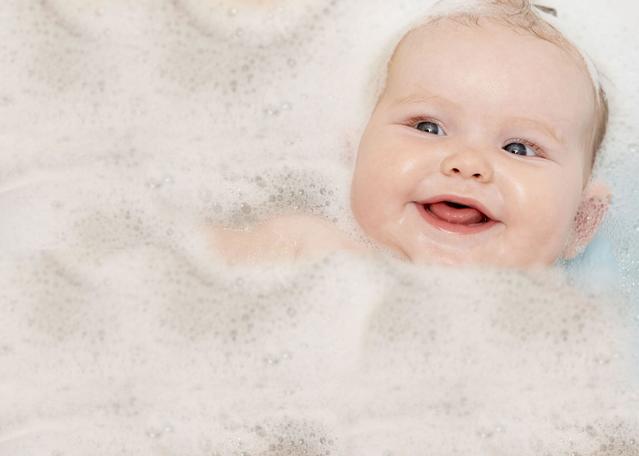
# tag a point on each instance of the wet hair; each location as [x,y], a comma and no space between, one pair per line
[521,16]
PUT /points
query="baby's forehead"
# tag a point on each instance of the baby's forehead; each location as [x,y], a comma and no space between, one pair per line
[448,47]
[440,31]
[492,69]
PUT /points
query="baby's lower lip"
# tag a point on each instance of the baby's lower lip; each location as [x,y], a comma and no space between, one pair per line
[453,227]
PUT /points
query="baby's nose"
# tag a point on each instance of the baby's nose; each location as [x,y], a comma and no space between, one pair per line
[469,164]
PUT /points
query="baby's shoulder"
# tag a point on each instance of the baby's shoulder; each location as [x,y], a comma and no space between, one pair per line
[285,237]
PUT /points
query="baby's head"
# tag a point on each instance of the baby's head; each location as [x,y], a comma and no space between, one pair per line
[481,145]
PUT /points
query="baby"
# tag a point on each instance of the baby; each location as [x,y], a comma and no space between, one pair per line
[479,150]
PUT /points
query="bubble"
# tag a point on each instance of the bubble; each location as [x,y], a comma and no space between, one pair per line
[5,100]
[153,433]
[271,360]
[154,184]
[260,181]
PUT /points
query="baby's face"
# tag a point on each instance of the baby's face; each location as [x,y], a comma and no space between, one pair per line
[478,150]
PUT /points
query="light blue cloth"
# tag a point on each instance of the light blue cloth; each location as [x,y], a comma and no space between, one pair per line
[596,269]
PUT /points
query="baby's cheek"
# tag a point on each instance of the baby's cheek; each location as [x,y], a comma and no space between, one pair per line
[381,177]
[551,224]
[365,200]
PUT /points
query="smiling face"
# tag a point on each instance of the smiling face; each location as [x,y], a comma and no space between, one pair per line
[479,148]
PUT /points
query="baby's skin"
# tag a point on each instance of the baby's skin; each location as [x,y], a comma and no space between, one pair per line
[284,238]
[479,150]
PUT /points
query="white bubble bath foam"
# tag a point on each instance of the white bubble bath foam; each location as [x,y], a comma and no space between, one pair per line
[126,124]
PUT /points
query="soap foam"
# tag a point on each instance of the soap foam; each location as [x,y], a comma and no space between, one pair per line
[127,125]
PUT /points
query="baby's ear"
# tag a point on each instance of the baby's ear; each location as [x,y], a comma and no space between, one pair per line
[591,212]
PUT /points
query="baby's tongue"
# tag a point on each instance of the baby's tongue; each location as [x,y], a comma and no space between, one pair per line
[462,216]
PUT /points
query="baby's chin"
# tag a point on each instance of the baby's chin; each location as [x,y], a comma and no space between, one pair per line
[439,255]
[442,256]
[491,254]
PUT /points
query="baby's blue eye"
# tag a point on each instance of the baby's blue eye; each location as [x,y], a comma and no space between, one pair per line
[430,127]
[519,149]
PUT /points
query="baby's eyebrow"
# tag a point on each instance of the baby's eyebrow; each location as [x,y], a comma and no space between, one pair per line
[415,98]
[421,98]
[547,129]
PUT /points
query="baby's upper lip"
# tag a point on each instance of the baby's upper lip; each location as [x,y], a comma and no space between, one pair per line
[466,201]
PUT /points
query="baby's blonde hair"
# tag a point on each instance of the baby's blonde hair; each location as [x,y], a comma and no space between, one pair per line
[520,15]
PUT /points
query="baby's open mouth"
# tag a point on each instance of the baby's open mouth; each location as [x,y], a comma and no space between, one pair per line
[461,214]
[456,215]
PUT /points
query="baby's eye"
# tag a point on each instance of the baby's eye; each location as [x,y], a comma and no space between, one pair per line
[430,127]
[518,148]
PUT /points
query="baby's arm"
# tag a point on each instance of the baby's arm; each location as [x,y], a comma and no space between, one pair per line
[283,238]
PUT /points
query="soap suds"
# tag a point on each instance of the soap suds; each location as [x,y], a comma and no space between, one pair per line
[128,124]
